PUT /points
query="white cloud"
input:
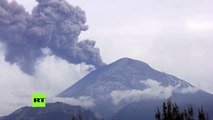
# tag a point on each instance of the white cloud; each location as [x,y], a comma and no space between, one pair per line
[53,75]
[153,90]
[15,87]
[84,101]
[189,90]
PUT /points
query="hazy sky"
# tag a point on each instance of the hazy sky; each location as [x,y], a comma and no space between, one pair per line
[174,36]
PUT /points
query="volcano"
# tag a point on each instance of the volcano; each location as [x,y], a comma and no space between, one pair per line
[129,88]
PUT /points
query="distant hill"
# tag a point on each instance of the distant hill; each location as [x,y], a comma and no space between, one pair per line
[52,111]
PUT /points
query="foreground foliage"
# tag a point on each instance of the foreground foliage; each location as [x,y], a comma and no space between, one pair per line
[171,111]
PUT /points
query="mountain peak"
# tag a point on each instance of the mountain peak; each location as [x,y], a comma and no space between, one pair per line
[126,59]
[128,62]
[125,73]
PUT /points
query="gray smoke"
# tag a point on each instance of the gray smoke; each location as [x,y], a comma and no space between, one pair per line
[53,24]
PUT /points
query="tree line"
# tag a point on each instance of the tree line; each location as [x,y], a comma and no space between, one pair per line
[171,111]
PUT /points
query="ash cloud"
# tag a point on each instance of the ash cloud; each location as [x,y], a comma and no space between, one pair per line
[53,24]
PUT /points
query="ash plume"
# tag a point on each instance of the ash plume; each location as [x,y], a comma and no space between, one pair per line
[53,24]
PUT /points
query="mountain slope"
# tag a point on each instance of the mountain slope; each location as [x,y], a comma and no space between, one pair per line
[53,111]
[123,74]
[126,81]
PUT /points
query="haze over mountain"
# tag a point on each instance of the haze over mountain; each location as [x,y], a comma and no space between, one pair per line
[129,85]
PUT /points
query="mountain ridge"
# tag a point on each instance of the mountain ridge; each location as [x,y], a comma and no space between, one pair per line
[52,111]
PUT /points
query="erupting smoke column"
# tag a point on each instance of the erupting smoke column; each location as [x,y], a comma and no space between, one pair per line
[53,24]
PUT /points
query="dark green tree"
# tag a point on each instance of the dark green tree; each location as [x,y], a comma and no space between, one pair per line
[79,117]
[170,111]
[188,114]
[158,115]
[202,115]
[73,117]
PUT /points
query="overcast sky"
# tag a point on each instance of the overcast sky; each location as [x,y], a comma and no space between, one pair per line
[174,36]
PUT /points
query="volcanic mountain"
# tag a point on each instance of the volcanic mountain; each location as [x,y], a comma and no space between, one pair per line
[130,88]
